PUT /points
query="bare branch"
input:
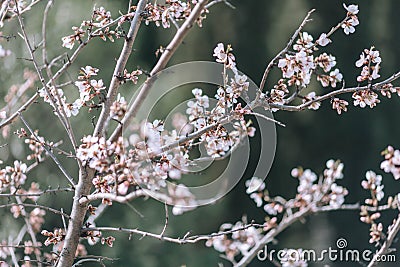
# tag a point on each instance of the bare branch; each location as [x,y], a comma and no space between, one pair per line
[122,199]
[162,62]
[186,239]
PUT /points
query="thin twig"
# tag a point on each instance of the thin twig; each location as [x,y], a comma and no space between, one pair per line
[186,239]
[36,206]
[166,221]
[56,161]
[38,194]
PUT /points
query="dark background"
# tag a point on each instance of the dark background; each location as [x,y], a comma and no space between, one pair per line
[257,30]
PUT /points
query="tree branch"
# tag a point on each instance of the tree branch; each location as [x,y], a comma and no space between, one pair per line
[119,68]
[376,86]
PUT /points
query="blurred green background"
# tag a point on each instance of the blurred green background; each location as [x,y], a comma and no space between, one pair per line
[257,30]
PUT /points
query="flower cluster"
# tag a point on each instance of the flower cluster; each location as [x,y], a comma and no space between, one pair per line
[311,194]
[35,144]
[373,183]
[217,140]
[55,97]
[54,237]
[197,108]
[340,105]
[327,192]
[278,93]
[311,97]
[36,219]
[391,164]
[365,98]
[95,27]
[225,56]
[299,67]
[367,59]
[172,11]
[388,89]
[109,160]
[109,241]
[69,41]
[130,76]
[119,107]
[239,242]
[13,175]
[88,88]
[351,19]
[120,168]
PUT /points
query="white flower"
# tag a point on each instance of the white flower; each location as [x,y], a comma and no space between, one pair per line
[4,52]
[339,105]
[361,61]
[68,41]
[375,74]
[348,26]
[336,76]
[97,85]
[254,184]
[197,92]
[311,97]
[257,199]
[224,56]
[323,40]
[352,9]
[219,53]
[364,98]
